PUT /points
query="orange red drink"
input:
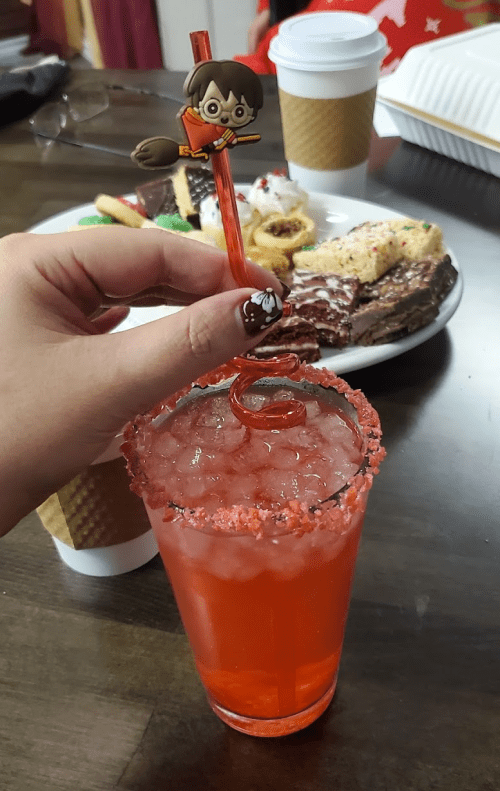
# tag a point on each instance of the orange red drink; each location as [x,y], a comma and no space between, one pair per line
[258,531]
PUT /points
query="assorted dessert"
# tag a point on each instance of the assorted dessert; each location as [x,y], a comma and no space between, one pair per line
[378,283]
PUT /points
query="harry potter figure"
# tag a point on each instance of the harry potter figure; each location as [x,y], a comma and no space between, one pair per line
[225,96]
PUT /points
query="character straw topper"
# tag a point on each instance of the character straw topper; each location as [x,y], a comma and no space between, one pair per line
[225,96]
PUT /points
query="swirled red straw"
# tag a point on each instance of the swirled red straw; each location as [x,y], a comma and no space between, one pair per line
[279,414]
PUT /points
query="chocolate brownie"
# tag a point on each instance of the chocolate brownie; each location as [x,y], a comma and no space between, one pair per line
[291,334]
[403,300]
[181,192]
[157,197]
[327,301]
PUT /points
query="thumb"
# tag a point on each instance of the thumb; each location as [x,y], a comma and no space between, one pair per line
[157,359]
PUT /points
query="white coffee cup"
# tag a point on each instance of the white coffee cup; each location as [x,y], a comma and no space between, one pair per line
[327,68]
[98,526]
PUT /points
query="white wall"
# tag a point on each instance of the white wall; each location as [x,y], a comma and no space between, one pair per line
[227,22]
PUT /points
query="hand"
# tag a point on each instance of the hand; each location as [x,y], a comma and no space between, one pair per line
[68,386]
[258,30]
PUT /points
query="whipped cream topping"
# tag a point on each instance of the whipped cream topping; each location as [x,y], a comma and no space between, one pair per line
[210,216]
[276,193]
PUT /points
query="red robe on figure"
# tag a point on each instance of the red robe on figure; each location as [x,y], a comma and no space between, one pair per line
[201,133]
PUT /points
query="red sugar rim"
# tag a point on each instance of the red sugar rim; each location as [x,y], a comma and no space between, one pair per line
[334,514]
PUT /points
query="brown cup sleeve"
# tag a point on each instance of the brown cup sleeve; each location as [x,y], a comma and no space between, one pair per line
[327,134]
[95,509]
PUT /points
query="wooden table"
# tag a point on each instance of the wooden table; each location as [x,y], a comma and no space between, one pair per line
[98,688]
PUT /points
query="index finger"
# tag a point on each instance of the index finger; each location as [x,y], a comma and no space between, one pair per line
[122,262]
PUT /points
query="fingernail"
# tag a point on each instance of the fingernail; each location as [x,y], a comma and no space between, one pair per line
[286,290]
[259,311]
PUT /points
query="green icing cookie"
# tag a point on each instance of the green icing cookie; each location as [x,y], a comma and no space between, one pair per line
[173,222]
[96,219]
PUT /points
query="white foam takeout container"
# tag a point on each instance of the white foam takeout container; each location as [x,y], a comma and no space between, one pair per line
[445,96]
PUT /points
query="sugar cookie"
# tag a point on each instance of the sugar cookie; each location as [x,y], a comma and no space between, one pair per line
[115,208]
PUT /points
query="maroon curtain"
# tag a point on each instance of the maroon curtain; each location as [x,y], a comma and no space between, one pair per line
[48,29]
[128,34]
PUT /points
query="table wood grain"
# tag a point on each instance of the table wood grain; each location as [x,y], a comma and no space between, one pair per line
[98,689]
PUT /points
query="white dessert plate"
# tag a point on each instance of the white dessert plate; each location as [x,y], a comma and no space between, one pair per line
[334,216]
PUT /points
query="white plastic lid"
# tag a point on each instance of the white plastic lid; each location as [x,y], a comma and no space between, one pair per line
[328,41]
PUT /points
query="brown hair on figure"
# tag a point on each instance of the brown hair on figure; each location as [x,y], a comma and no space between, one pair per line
[230,77]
